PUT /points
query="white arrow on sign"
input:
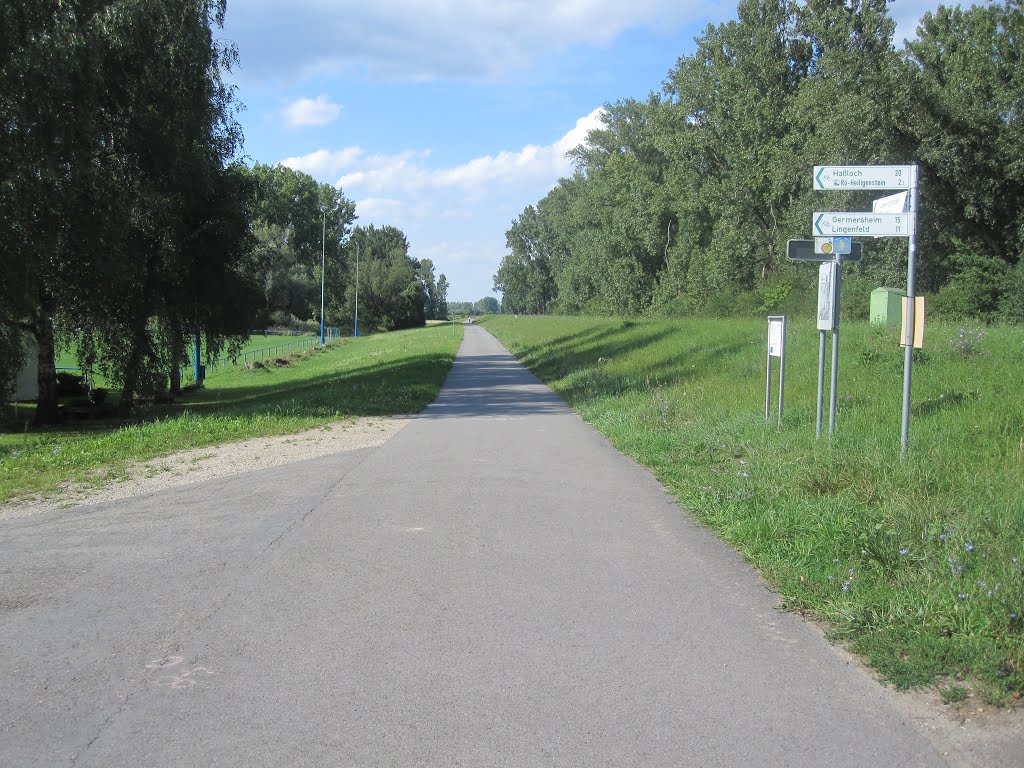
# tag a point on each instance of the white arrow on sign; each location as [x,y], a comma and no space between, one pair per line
[853,177]
[833,223]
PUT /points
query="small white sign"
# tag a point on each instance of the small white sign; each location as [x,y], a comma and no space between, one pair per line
[898,203]
[827,296]
[856,177]
[775,336]
[855,223]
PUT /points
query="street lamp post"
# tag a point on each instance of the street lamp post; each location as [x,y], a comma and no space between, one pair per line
[323,262]
[356,329]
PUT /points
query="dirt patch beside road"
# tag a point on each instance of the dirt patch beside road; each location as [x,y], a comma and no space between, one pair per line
[198,464]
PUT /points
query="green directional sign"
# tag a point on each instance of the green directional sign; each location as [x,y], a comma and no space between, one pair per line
[806,250]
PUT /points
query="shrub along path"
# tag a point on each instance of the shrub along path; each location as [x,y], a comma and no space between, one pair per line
[495,585]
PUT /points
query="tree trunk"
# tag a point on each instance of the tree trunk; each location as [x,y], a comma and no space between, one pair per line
[174,375]
[139,338]
[132,369]
[47,404]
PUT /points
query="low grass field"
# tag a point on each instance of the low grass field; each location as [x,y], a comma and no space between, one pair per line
[377,375]
[917,564]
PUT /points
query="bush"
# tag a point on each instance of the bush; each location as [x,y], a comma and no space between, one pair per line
[1012,304]
[855,296]
[774,296]
[283,323]
[976,291]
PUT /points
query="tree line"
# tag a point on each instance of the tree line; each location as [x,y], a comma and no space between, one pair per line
[683,203]
[488,305]
[298,224]
[129,227]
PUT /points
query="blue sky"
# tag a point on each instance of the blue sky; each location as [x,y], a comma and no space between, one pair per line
[446,118]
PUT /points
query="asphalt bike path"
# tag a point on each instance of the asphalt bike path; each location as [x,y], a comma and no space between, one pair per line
[494,586]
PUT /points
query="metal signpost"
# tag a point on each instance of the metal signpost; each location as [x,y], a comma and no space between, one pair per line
[833,252]
[776,348]
[908,359]
[828,320]
[890,217]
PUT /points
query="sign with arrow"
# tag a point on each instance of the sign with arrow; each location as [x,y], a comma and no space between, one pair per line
[838,223]
[850,178]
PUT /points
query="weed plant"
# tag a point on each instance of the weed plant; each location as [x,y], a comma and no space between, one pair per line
[377,375]
[915,563]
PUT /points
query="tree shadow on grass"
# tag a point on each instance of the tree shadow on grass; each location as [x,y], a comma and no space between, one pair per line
[583,351]
[551,361]
[399,386]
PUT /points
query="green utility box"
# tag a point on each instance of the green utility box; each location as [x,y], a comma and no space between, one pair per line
[887,306]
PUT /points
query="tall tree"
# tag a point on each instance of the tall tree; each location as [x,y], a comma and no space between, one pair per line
[169,119]
[739,90]
[57,195]
[441,307]
[965,115]
[391,295]
[426,276]
[291,232]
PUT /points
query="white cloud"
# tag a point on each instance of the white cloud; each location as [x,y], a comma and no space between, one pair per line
[379,208]
[426,39]
[304,112]
[455,215]
[407,172]
[324,162]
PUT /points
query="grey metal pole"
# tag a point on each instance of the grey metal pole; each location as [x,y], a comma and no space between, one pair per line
[768,388]
[323,263]
[782,370]
[908,355]
[821,383]
[835,355]
[356,330]
[834,382]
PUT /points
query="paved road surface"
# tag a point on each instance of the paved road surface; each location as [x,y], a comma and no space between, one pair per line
[495,586]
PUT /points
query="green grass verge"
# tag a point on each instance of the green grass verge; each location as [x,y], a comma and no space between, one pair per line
[916,563]
[377,375]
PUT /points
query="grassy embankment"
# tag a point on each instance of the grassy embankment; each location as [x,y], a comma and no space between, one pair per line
[376,375]
[916,564]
